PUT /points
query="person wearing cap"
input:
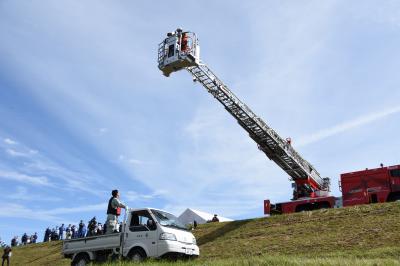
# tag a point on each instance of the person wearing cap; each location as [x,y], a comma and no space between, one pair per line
[215,219]
[113,211]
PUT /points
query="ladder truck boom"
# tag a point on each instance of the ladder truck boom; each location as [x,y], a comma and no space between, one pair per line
[268,141]
[181,50]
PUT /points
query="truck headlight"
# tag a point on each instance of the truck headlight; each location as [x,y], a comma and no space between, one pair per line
[194,241]
[167,236]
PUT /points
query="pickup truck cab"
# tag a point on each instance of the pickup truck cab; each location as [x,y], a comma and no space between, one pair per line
[146,233]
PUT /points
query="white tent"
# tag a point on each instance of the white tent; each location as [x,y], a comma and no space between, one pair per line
[190,215]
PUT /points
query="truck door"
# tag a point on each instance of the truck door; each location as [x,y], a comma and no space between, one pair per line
[141,232]
[373,198]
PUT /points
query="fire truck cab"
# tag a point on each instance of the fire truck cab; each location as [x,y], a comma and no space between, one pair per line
[371,185]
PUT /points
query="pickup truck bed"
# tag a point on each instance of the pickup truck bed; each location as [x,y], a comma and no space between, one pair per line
[92,243]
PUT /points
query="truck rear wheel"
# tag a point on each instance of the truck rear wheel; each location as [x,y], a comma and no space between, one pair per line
[81,260]
[137,255]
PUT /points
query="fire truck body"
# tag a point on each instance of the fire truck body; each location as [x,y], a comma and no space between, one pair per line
[370,185]
[299,205]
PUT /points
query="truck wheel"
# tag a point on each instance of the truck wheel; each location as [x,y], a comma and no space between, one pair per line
[137,255]
[81,260]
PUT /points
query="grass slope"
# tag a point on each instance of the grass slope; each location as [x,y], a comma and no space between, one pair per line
[361,235]
[38,254]
[345,230]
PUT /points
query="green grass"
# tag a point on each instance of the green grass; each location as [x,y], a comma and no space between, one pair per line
[38,254]
[346,230]
[361,235]
[271,260]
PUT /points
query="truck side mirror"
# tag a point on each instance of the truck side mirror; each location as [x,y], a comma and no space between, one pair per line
[151,224]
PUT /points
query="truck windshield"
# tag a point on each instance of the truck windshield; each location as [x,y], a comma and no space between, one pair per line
[167,219]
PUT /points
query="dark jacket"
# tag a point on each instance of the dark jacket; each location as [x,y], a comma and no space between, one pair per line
[111,210]
[7,252]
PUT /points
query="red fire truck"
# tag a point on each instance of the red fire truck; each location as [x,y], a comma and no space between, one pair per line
[181,50]
[370,185]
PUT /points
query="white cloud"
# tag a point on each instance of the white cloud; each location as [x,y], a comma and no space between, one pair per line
[24,178]
[38,167]
[37,163]
[83,208]
[15,153]
[13,210]
[55,216]
[134,161]
[10,141]
[23,194]
[135,196]
[346,126]
[21,153]
[33,152]
[103,130]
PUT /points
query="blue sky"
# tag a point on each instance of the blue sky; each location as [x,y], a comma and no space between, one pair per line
[84,109]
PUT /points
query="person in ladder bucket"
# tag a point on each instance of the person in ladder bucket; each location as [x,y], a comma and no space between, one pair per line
[185,42]
[113,211]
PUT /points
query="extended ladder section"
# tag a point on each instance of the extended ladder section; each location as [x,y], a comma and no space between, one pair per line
[276,148]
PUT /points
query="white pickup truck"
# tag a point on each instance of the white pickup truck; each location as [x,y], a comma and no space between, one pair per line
[145,233]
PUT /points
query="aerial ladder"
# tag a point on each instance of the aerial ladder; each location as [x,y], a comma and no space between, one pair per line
[181,50]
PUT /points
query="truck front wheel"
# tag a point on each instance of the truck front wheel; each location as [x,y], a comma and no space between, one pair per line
[137,255]
[81,260]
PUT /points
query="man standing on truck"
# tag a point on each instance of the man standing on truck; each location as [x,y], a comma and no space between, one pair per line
[113,211]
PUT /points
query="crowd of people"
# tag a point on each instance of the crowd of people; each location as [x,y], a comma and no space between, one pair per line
[2,243]
[63,232]
[73,231]
[25,239]
[93,228]
[60,233]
